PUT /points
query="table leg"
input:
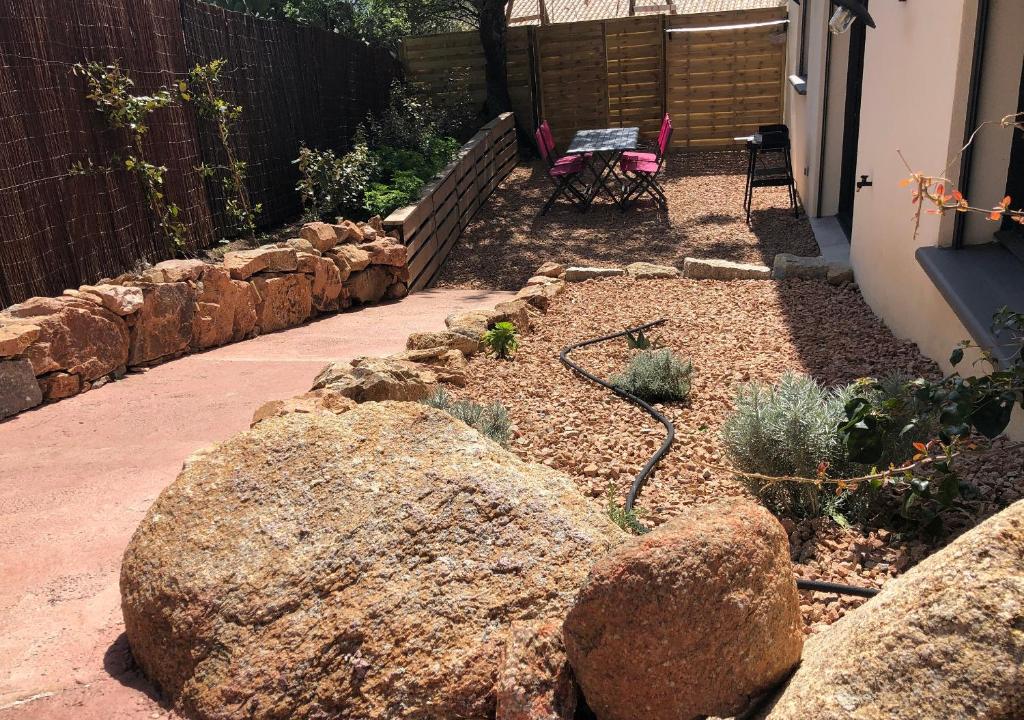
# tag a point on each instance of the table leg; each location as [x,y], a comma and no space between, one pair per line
[607,170]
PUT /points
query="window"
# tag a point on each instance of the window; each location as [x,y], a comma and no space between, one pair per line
[801,68]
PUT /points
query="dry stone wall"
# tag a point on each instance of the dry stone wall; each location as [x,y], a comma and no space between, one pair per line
[53,348]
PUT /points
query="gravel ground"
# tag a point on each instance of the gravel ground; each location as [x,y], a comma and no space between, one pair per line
[733,332]
[509,238]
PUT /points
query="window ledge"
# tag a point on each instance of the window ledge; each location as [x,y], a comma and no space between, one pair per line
[977,281]
[799,84]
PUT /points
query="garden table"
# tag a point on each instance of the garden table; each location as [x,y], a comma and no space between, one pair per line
[601,150]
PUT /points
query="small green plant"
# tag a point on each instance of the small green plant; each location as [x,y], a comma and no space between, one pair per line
[203,90]
[502,340]
[111,91]
[628,520]
[381,199]
[490,420]
[655,376]
[332,186]
[638,340]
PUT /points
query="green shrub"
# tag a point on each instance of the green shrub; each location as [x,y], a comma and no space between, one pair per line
[332,186]
[490,420]
[628,520]
[382,199]
[655,376]
[502,340]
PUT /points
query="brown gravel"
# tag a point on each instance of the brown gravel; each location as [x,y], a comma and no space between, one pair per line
[733,332]
[509,238]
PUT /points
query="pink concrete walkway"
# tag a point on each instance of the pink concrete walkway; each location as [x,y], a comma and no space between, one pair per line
[77,476]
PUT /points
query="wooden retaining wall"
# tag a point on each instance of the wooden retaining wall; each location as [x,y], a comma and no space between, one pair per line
[717,81]
[430,227]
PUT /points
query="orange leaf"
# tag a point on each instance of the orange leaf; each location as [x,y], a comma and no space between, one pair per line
[906,182]
[995,215]
[940,189]
[1005,203]
[920,447]
[957,195]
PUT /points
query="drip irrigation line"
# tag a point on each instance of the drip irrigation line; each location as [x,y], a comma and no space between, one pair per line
[670,434]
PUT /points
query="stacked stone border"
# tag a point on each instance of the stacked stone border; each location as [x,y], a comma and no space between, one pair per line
[53,348]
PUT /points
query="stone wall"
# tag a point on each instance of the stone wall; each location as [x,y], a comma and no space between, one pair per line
[53,348]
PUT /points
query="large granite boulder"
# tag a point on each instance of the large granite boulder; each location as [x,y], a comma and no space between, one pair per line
[696,618]
[359,566]
[945,640]
[535,681]
[163,327]
[76,336]
[371,379]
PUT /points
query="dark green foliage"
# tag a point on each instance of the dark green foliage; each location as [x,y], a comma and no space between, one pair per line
[628,520]
[655,376]
[502,340]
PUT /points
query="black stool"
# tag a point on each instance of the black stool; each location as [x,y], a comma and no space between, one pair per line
[770,164]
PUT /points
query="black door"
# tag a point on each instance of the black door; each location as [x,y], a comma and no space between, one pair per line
[851,127]
[1015,173]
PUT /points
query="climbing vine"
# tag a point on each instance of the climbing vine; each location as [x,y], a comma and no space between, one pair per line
[202,89]
[112,92]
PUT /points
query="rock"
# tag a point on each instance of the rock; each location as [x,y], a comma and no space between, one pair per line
[368,379]
[320,235]
[243,264]
[541,296]
[306,262]
[369,232]
[312,402]
[377,224]
[327,285]
[364,565]
[540,280]
[285,301]
[348,232]
[76,336]
[385,251]
[301,245]
[711,269]
[471,323]
[788,266]
[369,285]
[447,339]
[551,270]
[60,385]
[164,325]
[397,291]
[650,271]
[518,312]
[693,619]
[839,273]
[172,271]
[119,299]
[450,366]
[535,681]
[350,259]
[944,640]
[579,274]
[19,390]
[15,336]
[225,310]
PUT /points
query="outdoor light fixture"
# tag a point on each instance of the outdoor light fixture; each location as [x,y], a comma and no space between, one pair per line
[848,12]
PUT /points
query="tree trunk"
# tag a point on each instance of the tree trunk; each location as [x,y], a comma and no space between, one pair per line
[492,37]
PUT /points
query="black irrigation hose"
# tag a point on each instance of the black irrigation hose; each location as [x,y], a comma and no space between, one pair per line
[641,478]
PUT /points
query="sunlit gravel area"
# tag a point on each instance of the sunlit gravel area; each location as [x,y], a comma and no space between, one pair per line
[733,332]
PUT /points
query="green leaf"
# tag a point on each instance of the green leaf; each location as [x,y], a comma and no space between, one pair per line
[991,414]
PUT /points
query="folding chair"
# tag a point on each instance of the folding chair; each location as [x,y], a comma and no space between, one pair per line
[564,173]
[549,143]
[643,173]
[666,123]
[770,164]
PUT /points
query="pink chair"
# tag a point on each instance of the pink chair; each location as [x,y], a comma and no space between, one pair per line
[643,172]
[564,173]
[666,124]
[549,143]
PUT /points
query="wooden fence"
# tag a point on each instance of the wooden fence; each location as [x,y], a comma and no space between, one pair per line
[430,227]
[719,75]
[60,229]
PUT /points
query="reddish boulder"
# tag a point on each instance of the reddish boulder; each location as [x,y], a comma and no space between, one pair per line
[18,387]
[348,232]
[171,271]
[243,264]
[15,336]
[327,285]
[541,296]
[285,301]
[324,400]
[385,251]
[164,325]
[59,385]
[76,336]
[320,235]
[350,259]
[696,618]
[397,291]
[225,310]
[535,681]
[119,299]
[369,285]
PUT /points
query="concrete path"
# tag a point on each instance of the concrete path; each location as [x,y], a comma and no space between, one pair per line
[76,477]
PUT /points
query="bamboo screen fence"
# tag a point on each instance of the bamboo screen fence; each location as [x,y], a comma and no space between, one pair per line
[717,81]
[60,230]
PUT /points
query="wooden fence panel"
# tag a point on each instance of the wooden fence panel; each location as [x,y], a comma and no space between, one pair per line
[723,83]
[573,77]
[431,227]
[636,73]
